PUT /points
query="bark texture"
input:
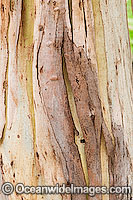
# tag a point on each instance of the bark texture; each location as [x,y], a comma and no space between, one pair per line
[66,98]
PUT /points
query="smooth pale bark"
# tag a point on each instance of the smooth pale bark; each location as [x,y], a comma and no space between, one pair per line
[65,95]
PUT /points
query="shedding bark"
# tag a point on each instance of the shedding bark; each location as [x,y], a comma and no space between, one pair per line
[65,96]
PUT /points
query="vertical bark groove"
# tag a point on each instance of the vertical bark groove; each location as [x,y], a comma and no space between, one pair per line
[84,19]
[79,136]
[27,34]
[70,16]
[5,85]
[66,80]
[102,73]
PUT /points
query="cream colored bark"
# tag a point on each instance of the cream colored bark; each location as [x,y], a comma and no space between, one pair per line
[65,95]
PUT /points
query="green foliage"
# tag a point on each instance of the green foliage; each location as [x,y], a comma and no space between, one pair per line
[130,23]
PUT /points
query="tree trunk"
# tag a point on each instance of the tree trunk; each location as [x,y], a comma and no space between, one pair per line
[65,96]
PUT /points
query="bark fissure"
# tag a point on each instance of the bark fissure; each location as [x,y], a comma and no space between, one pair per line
[69,121]
[70,16]
[79,138]
[84,19]
[12,4]
[38,58]
[1,163]
[5,86]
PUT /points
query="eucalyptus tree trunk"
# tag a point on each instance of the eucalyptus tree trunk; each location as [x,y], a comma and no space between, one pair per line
[65,96]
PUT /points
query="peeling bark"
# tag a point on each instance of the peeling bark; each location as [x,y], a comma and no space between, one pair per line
[65,95]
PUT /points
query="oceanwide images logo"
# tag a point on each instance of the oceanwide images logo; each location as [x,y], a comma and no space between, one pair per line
[8,188]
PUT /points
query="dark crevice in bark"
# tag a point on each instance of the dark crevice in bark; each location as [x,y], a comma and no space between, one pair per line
[1,164]
[38,58]
[12,5]
[37,68]
[70,16]
[84,19]
[64,66]
[6,85]
[79,134]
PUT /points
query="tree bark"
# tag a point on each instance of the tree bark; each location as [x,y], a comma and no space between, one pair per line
[65,96]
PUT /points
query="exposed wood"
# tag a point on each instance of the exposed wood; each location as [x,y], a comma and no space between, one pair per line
[66,98]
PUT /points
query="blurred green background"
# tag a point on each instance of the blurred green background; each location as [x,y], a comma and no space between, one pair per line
[130,24]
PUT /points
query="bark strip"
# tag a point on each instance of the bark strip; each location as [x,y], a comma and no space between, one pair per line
[79,138]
